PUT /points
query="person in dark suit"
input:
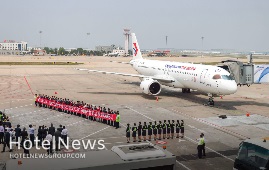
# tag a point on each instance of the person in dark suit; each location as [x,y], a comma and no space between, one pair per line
[52,130]
[6,141]
[24,135]
[7,123]
[57,136]
[27,145]
[144,131]
[128,133]
[60,128]
[2,131]
[139,130]
[43,132]
[39,135]
[17,133]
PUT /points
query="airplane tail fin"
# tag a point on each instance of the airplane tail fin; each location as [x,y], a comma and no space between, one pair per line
[136,50]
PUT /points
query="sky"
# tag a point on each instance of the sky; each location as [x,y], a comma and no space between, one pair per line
[241,25]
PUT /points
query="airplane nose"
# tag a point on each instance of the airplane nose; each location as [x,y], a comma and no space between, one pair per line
[232,88]
[228,87]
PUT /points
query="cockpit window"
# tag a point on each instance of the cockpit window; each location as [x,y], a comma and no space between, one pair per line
[217,76]
[226,77]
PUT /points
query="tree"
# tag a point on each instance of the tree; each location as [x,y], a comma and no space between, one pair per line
[113,46]
[51,51]
[61,51]
[47,49]
[85,52]
[91,52]
[74,52]
[130,52]
[55,51]
[80,51]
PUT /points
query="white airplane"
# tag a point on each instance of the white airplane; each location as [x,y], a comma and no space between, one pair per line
[211,80]
[113,54]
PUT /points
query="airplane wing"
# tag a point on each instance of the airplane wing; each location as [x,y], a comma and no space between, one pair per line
[159,78]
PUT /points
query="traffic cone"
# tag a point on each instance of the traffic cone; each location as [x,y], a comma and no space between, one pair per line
[55,92]
[157,98]
[221,97]
[247,114]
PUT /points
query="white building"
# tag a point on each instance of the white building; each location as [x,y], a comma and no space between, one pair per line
[120,52]
[11,45]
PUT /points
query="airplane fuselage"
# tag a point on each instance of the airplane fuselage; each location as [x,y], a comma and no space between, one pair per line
[205,78]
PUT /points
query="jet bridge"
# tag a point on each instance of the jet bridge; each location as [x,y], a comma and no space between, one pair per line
[243,73]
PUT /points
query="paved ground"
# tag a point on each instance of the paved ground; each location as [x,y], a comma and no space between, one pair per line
[123,94]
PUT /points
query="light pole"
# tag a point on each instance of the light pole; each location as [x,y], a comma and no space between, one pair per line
[88,34]
[166,39]
[202,45]
[202,42]
[40,32]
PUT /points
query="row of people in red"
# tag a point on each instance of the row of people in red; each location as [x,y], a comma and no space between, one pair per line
[79,108]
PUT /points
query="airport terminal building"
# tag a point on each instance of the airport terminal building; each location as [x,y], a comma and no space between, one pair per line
[104,48]
[107,49]
[10,47]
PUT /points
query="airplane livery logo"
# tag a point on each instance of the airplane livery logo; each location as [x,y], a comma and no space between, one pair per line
[135,49]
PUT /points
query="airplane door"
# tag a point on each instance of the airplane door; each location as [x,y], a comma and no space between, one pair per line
[203,76]
[166,71]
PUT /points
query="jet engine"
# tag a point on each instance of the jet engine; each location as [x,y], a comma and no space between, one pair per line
[150,86]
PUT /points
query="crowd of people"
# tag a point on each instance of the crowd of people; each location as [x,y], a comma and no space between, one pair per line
[79,108]
[7,133]
[162,130]
[148,131]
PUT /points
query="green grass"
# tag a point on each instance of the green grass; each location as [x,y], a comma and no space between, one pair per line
[39,63]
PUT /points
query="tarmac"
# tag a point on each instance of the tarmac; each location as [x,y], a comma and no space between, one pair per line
[222,136]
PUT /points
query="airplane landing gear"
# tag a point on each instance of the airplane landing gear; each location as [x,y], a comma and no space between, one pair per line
[186,90]
[211,101]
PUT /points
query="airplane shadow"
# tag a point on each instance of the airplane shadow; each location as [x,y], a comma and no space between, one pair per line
[227,105]
[192,97]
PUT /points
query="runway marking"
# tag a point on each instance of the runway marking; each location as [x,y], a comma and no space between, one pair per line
[43,119]
[17,107]
[211,124]
[180,140]
[71,124]
[28,85]
[184,166]
[94,133]
[119,142]
[123,125]
[140,113]
[191,140]
[197,129]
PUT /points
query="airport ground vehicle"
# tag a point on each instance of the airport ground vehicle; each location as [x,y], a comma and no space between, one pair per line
[253,155]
